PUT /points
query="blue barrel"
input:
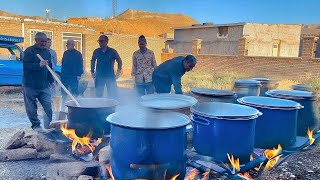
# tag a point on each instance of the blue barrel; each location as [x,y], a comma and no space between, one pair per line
[278,124]
[214,95]
[221,128]
[247,87]
[266,85]
[301,87]
[308,117]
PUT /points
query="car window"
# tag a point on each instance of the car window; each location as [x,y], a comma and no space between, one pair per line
[10,53]
[16,53]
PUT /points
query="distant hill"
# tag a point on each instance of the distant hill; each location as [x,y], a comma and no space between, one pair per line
[137,22]
[3,13]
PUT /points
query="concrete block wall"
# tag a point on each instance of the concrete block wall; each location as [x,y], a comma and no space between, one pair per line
[272,67]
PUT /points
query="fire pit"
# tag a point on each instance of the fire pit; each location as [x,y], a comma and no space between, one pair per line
[90,116]
[148,145]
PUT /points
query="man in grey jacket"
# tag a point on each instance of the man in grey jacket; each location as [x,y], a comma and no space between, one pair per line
[37,81]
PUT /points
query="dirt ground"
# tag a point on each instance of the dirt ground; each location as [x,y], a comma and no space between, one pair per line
[298,166]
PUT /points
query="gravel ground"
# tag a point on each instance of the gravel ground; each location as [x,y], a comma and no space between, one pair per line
[16,170]
[23,170]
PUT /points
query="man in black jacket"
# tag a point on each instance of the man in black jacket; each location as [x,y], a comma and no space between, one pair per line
[71,69]
[37,81]
[102,68]
[170,73]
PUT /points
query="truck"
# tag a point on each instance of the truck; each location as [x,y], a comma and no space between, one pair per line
[11,55]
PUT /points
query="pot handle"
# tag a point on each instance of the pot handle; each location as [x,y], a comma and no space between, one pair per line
[202,121]
[189,128]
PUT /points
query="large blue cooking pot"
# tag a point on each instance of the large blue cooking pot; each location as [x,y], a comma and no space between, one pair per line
[266,85]
[146,144]
[278,124]
[309,116]
[221,128]
[214,95]
[247,87]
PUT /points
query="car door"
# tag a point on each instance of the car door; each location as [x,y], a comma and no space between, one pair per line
[10,67]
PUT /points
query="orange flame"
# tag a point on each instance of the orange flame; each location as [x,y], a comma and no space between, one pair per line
[251,157]
[205,175]
[245,175]
[175,177]
[79,145]
[310,136]
[193,173]
[108,167]
[235,163]
[271,154]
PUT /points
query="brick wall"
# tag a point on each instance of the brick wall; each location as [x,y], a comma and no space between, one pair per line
[10,26]
[124,44]
[277,68]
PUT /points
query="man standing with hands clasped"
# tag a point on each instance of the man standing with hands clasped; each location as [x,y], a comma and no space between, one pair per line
[102,68]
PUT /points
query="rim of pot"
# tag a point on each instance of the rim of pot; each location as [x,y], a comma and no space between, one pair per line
[112,102]
[242,101]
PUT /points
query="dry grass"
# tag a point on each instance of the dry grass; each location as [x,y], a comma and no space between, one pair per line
[210,80]
[314,82]
[286,84]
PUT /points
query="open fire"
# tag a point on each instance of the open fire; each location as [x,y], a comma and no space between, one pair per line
[192,175]
[310,136]
[273,157]
[80,145]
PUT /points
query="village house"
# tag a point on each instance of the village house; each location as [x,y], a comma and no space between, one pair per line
[278,40]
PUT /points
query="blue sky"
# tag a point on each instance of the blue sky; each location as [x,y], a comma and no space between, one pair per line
[216,11]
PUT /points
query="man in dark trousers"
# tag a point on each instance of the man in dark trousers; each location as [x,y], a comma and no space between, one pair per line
[102,68]
[143,64]
[170,73]
[71,69]
[37,81]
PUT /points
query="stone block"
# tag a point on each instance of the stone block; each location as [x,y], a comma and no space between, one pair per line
[18,154]
[72,170]
[16,141]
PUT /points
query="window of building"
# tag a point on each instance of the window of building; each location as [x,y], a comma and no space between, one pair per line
[223,32]
[33,33]
[77,37]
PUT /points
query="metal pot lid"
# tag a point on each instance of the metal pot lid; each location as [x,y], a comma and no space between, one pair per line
[247,82]
[291,94]
[212,92]
[93,103]
[225,110]
[301,87]
[148,119]
[269,103]
[261,79]
[167,101]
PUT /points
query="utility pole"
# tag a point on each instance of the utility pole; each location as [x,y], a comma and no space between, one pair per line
[114,8]
[47,15]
